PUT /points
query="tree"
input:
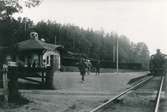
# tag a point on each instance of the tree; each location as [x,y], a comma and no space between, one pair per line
[142,54]
[10,33]
[11,29]
[9,7]
[124,49]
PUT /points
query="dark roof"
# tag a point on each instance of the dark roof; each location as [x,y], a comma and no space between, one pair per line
[35,44]
[2,48]
[76,54]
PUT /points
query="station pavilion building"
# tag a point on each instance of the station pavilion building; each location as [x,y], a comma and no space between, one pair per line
[37,53]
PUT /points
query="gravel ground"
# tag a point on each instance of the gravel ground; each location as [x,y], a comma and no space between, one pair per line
[112,83]
[58,103]
[139,100]
[106,82]
[133,103]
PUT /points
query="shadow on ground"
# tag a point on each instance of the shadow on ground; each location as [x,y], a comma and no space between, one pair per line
[27,85]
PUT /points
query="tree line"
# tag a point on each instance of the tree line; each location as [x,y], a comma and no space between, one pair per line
[94,44]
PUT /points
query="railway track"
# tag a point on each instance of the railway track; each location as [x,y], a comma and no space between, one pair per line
[157,104]
[141,97]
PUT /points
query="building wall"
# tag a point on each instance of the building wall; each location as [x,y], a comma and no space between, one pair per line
[47,56]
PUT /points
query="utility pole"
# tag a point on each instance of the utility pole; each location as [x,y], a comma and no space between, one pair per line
[73,44]
[25,29]
[55,40]
[113,53]
[117,64]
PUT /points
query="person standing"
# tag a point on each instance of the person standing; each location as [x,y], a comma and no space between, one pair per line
[88,66]
[98,67]
[82,69]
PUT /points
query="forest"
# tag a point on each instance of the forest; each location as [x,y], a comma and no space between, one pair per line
[94,44]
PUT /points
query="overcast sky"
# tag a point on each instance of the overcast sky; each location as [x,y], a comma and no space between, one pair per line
[139,20]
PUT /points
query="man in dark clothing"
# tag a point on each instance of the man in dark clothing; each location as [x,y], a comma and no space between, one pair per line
[98,67]
[82,69]
[88,66]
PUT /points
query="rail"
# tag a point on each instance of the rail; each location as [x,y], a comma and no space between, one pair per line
[159,95]
[121,94]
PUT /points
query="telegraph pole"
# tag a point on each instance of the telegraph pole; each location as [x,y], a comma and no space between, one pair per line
[55,40]
[117,63]
[114,53]
[25,29]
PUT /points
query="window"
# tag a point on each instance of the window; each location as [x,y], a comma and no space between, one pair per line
[47,60]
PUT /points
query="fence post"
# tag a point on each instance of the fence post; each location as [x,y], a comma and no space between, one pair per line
[5,82]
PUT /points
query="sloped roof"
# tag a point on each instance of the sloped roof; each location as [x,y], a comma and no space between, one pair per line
[35,44]
[2,48]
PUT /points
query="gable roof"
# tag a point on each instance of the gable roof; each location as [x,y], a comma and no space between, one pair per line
[35,44]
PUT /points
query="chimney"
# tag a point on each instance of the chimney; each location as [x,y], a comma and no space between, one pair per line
[34,35]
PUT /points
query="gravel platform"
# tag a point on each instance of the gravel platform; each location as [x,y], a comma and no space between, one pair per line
[70,95]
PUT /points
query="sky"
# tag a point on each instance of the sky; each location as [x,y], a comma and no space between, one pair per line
[140,20]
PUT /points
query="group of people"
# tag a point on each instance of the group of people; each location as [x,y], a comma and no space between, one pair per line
[85,66]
